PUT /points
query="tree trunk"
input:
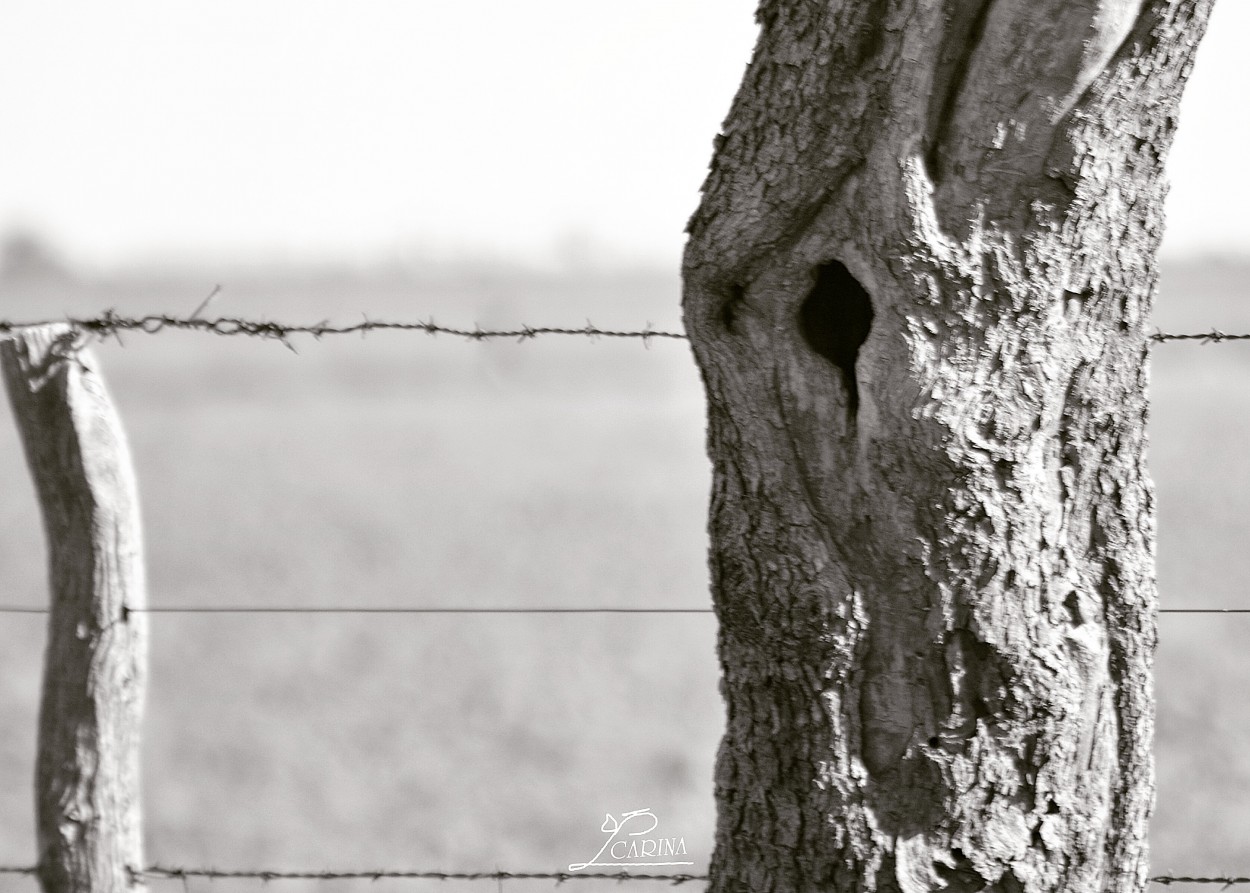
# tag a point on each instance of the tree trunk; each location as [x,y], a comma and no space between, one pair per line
[918,288]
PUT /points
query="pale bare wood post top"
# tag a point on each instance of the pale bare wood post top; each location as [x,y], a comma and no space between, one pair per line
[87,768]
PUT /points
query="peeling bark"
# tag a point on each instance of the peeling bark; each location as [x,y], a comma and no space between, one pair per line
[918,290]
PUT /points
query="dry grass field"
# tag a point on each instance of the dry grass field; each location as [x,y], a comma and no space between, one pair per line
[407,470]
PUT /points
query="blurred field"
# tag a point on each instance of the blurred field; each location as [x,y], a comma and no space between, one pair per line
[406,470]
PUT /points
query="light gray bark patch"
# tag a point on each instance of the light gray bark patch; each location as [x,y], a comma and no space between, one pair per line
[835,320]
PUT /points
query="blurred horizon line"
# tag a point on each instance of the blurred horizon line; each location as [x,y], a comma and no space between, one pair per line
[32,255]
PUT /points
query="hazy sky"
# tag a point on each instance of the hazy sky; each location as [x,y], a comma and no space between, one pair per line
[140,129]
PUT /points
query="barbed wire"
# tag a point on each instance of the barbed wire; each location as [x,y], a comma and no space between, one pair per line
[1168,880]
[166,872]
[112,323]
[366,609]
[1215,336]
[171,873]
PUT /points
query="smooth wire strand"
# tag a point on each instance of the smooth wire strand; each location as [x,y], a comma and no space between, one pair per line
[403,610]
[292,609]
[112,323]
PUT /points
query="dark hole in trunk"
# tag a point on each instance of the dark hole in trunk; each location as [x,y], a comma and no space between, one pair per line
[834,321]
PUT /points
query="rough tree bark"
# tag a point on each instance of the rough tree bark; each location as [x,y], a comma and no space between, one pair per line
[87,767]
[918,289]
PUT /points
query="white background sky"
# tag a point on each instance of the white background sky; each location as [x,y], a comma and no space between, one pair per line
[141,130]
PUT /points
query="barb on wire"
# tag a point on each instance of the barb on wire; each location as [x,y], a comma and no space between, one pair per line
[203,305]
[111,323]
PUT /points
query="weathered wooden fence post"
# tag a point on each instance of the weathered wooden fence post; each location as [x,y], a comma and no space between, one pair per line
[87,770]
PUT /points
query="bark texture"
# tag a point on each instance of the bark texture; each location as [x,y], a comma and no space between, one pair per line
[87,767]
[918,288]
